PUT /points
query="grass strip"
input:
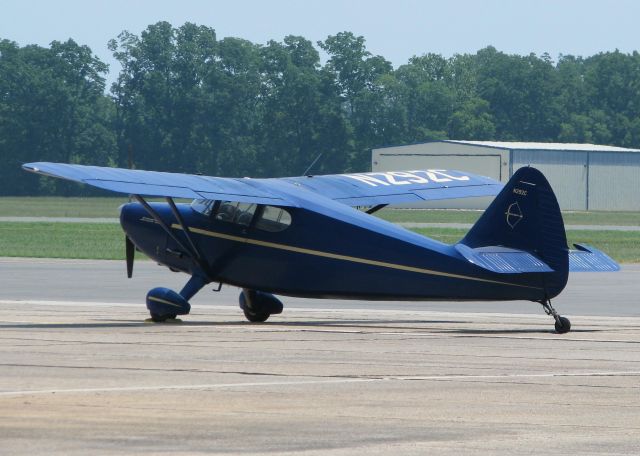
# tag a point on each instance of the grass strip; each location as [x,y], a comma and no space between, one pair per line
[103,241]
[106,241]
[60,207]
[622,246]
[471,216]
[92,207]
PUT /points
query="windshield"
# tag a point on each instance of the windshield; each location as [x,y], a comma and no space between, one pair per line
[203,206]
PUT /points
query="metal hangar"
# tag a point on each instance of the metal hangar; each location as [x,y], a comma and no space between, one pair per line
[583,176]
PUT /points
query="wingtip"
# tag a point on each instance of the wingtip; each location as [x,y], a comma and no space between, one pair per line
[30,167]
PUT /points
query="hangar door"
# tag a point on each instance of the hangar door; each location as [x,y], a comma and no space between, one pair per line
[567,172]
[484,165]
[614,181]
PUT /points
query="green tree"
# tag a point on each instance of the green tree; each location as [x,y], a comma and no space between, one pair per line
[472,121]
[302,116]
[521,92]
[233,89]
[428,97]
[357,73]
[165,120]
[52,108]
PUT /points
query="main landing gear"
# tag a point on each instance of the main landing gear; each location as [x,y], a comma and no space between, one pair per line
[563,325]
[165,304]
[259,305]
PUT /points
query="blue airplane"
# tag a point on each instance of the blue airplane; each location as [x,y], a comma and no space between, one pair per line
[306,237]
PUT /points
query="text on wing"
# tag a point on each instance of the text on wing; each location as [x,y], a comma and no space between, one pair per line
[406,177]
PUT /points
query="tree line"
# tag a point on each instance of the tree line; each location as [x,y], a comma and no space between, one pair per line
[187,101]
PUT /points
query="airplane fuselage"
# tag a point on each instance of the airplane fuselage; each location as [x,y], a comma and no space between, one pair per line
[345,254]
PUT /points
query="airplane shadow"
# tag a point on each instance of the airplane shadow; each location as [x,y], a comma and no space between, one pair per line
[385,325]
[388,325]
[472,332]
[143,324]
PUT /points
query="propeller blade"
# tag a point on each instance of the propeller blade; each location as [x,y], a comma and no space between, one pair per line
[131,251]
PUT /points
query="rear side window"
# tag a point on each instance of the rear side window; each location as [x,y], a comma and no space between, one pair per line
[274,219]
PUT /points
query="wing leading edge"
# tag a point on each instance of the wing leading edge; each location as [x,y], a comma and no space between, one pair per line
[360,189]
[152,183]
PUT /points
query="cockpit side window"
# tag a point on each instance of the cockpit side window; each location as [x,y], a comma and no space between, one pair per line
[270,218]
[234,212]
[273,219]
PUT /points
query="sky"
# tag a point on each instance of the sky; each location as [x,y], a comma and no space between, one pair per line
[395,29]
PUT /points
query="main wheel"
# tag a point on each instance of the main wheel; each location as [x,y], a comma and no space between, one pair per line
[256,317]
[563,325]
[160,318]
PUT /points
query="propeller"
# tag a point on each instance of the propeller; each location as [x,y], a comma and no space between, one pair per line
[131,252]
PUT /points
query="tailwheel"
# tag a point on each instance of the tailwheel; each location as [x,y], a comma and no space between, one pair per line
[258,306]
[563,325]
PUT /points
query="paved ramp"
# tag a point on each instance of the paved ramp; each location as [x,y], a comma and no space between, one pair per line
[91,378]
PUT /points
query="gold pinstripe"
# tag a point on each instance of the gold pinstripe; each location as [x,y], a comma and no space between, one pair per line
[164,301]
[336,256]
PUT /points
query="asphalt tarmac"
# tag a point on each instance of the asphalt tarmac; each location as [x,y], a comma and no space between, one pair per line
[81,373]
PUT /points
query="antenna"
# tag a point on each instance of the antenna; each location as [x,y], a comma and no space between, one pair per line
[306,171]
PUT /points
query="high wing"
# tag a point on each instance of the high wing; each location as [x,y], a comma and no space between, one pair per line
[153,183]
[396,187]
[360,189]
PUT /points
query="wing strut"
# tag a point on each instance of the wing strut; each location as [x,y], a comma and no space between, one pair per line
[178,217]
[195,254]
[376,208]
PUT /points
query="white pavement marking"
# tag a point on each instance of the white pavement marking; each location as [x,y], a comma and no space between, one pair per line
[208,386]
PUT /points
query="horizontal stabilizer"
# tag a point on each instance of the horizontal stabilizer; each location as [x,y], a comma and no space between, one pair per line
[590,259]
[502,259]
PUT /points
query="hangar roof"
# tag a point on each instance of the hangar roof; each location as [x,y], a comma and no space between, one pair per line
[543,146]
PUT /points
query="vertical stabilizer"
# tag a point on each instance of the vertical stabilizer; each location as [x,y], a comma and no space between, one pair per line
[526,216]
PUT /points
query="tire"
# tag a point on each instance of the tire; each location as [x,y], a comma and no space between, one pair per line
[256,317]
[160,318]
[563,325]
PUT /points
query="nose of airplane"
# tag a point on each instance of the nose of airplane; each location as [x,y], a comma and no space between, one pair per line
[127,214]
[141,229]
[133,218]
